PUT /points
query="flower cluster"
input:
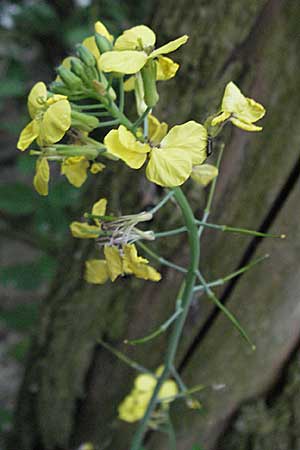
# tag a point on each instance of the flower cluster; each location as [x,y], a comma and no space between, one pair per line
[134,405]
[101,63]
[116,235]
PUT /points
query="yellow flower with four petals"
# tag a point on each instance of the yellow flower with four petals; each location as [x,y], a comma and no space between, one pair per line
[51,118]
[172,154]
[135,47]
[242,111]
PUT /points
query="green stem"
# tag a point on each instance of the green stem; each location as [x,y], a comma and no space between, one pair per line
[178,326]
[121,95]
[160,259]
[161,203]
[211,295]
[140,120]
[234,274]
[210,195]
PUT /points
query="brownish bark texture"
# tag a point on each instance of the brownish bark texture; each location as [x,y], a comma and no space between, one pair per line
[72,385]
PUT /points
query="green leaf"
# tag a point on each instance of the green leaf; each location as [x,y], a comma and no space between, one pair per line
[28,276]
[17,199]
[21,318]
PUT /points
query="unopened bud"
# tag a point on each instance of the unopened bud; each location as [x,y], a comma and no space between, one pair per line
[77,68]
[86,56]
[84,122]
[103,44]
[69,78]
[57,87]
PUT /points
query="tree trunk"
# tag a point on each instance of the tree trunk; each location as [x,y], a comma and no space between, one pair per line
[72,386]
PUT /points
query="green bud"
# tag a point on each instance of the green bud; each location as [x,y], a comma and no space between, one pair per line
[78,68]
[57,87]
[69,78]
[86,56]
[103,44]
[149,80]
[84,122]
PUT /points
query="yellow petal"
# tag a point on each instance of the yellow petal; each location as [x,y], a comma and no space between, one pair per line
[191,137]
[82,230]
[97,167]
[136,265]
[133,38]
[91,45]
[127,61]
[204,174]
[114,262]
[145,382]
[75,169]
[166,68]
[129,84]
[56,121]
[169,167]
[96,271]
[55,98]
[99,207]
[220,118]
[100,28]
[132,158]
[168,389]
[169,47]
[28,135]
[247,126]
[243,108]
[37,96]
[157,129]
[42,176]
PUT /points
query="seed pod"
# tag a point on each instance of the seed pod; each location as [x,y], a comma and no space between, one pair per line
[149,80]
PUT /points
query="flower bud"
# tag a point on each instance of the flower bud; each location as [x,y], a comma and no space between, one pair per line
[69,78]
[103,44]
[78,69]
[57,87]
[86,56]
[149,80]
[84,122]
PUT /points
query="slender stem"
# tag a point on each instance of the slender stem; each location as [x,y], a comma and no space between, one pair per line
[125,358]
[210,195]
[229,229]
[140,120]
[234,274]
[109,123]
[161,234]
[160,259]
[186,302]
[211,295]
[171,434]
[95,106]
[161,329]
[100,113]
[121,95]
[161,203]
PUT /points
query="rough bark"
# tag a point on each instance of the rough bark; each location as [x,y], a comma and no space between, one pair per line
[72,386]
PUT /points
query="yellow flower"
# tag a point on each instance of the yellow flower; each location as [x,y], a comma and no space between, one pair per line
[204,174]
[82,230]
[42,176]
[134,48]
[124,262]
[242,111]
[172,155]
[75,169]
[51,118]
[134,406]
